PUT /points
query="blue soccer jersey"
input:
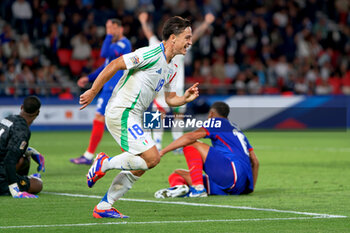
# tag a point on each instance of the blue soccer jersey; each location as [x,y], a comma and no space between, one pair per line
[111,51]
[230,152]
[228,139]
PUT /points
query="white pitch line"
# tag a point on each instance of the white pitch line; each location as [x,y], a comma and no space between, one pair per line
[205,205]
[161,222]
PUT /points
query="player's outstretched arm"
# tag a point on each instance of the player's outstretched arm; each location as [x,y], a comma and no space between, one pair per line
[190,94]
[198,32]
[106,74]
[143,16]
[184,140]
[255,165]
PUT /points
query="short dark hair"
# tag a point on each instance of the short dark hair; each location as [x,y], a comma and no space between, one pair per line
[175,25]
[221,108]
[116,21]
[31,104]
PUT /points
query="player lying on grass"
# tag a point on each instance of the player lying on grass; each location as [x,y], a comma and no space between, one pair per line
[230,164]
[15,154]
[148,70]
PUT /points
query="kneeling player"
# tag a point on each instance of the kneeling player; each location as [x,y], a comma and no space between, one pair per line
[230,164]
[14,155]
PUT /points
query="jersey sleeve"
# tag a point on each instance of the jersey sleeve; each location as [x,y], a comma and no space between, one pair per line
[142,58]
[249,147]
[210,133]
[133,60]
[16,147]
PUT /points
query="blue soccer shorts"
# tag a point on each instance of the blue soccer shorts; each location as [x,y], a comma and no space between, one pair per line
[223,175]
[102,101]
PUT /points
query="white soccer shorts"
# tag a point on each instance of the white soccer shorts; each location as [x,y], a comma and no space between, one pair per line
[127,129]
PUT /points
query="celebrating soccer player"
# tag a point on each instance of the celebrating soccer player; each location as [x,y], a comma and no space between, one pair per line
[149,69]
[159,102]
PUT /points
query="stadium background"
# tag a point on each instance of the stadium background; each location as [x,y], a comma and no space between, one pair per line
[279,64]
[280,50]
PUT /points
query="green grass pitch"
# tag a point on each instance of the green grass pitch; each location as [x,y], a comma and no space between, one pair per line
[303,186]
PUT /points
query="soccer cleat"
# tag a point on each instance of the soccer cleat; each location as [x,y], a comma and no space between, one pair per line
[95,172]
[81,160]
[110,213]
[176,191]
[197,192]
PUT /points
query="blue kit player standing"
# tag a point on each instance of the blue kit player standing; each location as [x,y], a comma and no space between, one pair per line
[114,46]
[230,164]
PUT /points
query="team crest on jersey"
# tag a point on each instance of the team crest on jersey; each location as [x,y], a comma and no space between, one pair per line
[23,145]
[23,182]
[135,60]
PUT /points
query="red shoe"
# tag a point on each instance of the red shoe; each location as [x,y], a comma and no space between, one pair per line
[95,171]
[110,213]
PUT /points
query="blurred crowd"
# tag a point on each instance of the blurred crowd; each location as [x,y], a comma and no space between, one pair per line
[253,47]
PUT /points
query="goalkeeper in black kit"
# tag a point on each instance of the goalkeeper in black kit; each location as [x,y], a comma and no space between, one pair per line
[15,155]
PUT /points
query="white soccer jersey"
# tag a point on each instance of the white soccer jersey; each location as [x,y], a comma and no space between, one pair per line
[178,60]
[147,73]
[180,76]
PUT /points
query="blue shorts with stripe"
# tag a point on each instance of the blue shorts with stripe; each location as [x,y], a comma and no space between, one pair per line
[102,101]
[225,176]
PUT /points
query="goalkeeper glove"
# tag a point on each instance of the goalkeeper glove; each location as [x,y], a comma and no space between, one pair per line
[14,190]
[37,157]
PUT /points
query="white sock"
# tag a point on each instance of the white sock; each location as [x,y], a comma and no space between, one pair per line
[124,161]
[157,137]
[120,185]
[176,132]
[89,155]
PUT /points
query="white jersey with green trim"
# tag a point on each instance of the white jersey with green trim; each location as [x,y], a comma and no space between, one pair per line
[147,73]
[179,60]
